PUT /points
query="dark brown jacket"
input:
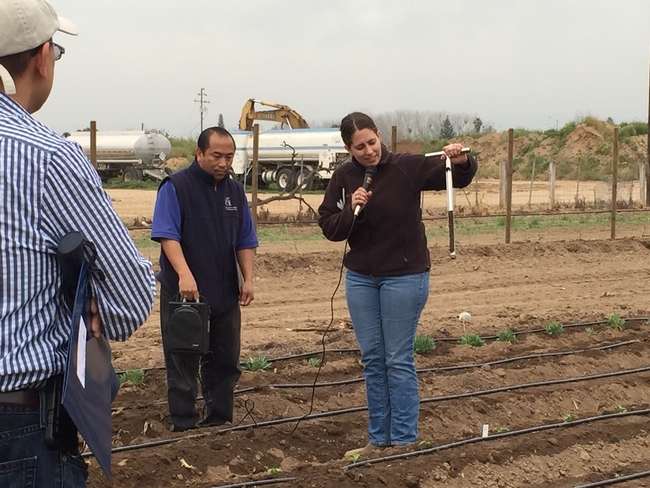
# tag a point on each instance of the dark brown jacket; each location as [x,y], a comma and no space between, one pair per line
[388,238]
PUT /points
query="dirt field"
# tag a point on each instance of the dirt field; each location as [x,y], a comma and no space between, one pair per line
[540,278]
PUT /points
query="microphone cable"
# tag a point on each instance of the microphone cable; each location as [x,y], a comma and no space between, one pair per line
[249,405]
[327,329]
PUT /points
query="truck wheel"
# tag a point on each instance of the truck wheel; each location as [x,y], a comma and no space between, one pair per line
[312,184]
[132,174]
[286,179]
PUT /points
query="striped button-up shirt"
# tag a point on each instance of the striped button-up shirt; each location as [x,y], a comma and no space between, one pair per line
[47,189]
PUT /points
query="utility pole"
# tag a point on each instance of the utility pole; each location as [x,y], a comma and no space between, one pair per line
[202,107]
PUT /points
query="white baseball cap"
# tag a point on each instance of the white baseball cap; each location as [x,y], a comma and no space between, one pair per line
[24,25]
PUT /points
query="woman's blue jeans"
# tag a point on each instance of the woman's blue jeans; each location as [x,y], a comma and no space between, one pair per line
[385,313]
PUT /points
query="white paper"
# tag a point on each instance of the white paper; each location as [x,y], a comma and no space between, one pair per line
[81,352]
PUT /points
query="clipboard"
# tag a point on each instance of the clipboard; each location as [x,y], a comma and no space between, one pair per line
[89,381]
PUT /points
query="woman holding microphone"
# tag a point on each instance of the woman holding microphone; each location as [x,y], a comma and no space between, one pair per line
[387,278]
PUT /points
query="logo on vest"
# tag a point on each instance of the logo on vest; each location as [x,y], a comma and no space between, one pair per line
[229,205]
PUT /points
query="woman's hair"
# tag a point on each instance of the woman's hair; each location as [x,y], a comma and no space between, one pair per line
[354,122]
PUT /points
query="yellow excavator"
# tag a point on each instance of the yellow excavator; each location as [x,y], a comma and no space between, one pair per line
[281,114]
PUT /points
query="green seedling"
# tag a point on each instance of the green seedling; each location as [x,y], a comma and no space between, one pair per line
[590,330]
[315,362]
[274,471]
[506,336]
[567,417]
[615,322]
[426,444]
[622,409]
[473,340]
[554,328]
[423,344]
[501,430]
[135,376]
[257,363]
[617,475]
[357,457]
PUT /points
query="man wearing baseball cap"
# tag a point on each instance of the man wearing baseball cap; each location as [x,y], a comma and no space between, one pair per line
[48,188]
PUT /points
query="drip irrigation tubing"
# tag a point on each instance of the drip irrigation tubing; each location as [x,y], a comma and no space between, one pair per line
[343,411]
[620,479]
[272,481]
[514,433]
[437,339]
[462,366]
[423,370]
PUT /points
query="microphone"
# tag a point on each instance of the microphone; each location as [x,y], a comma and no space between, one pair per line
[371,171]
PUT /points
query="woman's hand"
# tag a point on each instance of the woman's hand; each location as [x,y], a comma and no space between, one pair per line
[360,197]
[454,152]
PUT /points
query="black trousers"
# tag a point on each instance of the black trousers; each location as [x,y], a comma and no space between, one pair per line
[219,371]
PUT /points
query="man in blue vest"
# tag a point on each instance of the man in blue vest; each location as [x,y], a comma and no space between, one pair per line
[206,232]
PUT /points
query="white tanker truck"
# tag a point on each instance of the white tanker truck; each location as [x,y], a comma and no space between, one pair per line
[132,155]
[287,157]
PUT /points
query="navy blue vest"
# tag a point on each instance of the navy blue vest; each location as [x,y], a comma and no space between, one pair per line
[211,225]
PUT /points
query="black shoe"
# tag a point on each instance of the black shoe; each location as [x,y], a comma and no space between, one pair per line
[212,422]
[175,428]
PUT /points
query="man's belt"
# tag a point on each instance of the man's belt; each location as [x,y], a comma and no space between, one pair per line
[21,398]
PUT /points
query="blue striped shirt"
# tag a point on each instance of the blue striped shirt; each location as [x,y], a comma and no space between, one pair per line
[47,189]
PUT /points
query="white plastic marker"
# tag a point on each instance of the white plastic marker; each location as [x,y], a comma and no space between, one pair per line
[486,430]
[450,197]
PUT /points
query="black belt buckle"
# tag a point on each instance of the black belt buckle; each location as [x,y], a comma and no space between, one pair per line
[60,430]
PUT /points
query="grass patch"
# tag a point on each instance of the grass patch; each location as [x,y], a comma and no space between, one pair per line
[493,225]
[283,233]
[118,183]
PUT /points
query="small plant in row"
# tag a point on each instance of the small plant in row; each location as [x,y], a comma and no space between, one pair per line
[615,322]
[424,344]
[473,340]
[506,336]
[554,328]
[568,417]
[257,363]
[134,376]
[315,362]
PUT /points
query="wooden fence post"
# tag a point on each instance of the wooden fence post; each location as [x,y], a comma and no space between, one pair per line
[93,143]
[551,187]
[393,139]
[511,146]
[503,184]
[614,181]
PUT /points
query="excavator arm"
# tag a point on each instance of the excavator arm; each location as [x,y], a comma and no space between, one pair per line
[282,114]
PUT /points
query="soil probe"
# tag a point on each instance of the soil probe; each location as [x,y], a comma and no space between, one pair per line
[450,197]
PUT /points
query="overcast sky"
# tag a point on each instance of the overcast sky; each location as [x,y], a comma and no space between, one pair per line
[514,63]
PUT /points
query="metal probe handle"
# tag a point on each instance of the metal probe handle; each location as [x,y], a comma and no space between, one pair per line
[450,197]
